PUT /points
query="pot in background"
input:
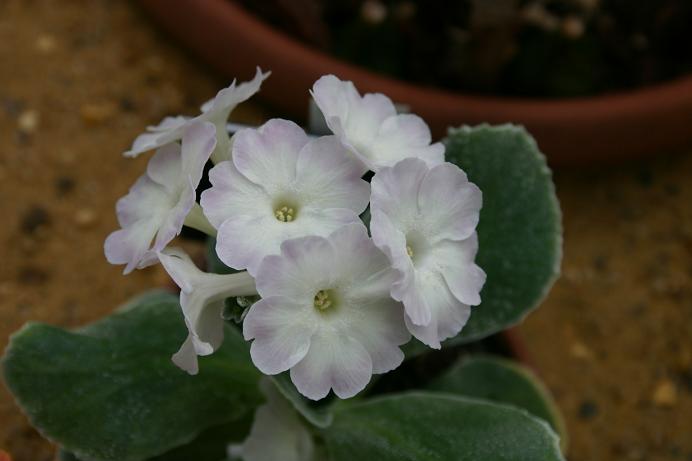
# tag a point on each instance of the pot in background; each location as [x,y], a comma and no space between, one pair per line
[598,129]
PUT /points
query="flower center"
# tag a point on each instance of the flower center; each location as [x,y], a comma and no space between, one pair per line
[285,213]
[409,251]
[322,300]
[417,248]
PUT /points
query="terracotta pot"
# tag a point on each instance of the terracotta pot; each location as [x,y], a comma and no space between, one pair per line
[605,128]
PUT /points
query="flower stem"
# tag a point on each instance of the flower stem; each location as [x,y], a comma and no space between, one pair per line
[230,285]
[196,220]
[223,145]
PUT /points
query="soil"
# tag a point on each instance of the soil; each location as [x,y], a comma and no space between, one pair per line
[78,82]
[532,48]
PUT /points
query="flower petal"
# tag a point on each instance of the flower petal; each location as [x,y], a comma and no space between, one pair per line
[304,264]
[277,431]
[145,199]
[367,269]
[329,177]
[243,241]
[380,328]
[130,244]
[174,219]
[449,204]
[268,155]
[198,143]
[395,192]
[215,110]
[448,315]
[232,194]
[404,136]
[333,362]
[416,305]
[454,260]
[164,167]
[392,242]
[334,97]
[199,302]
[282,332]
[153,140]
[370,126]
[349,115]
[186,357]
[321,222]
[227,98]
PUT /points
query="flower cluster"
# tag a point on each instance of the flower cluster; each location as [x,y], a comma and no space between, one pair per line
[289,212]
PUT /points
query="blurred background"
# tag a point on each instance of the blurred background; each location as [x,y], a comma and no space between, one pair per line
[80,79]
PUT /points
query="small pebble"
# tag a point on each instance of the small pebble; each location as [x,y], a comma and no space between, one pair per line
[45,43]
[665,394]
[579,351]
[573,27]
[28,121]
[85,218]
[373,12]
[97,113]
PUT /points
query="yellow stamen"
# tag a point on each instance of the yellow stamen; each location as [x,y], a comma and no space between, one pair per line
[409,251]
[284,214]
[322,301]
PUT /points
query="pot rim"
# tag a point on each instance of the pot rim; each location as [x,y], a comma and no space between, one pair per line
[620,103]
[597,129]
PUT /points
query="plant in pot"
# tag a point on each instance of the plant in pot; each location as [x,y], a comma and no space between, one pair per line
[356,283]
[593,80]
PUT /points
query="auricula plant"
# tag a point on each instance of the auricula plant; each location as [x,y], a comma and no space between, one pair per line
[338,265]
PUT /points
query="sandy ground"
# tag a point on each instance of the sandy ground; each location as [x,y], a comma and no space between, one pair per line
[79,79]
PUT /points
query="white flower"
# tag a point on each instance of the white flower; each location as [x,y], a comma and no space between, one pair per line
[326,314]
[370,127]
[202,301]
[280,185]
[154,210]
[277,432]
[424,219]
[215,110]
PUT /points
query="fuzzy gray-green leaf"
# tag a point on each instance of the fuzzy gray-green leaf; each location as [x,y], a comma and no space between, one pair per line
[520,230]
[504,381]
[109,391]
[425,426]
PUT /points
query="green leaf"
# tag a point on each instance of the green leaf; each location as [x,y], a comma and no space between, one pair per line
[520,231]
[109,391]
[504,381]
[210,445]
[438,427]
[319,416]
